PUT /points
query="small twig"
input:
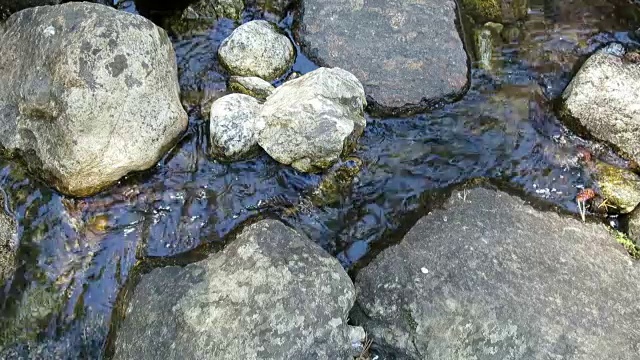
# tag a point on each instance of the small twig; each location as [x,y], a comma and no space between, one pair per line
[582,207]
[364,355]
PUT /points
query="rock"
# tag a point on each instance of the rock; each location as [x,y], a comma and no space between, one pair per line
[257,49]
[278,7]
[336,181]
[88,95]
[234,126]
[407,54]
[620,187]
[311,121]
[602,99]
[502,11]
[482,11]
[514,10]
[8,244]
[489,277]
[214,9]
[270,294]
[252,86]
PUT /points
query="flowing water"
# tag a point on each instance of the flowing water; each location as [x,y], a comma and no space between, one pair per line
[76,255]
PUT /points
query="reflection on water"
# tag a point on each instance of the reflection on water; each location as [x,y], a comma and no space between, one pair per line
[76,254]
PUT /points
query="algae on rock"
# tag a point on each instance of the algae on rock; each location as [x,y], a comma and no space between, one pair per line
[620,187]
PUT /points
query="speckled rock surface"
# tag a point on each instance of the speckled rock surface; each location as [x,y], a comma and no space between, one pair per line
[489,277]
[270,294]
[603,99]
[88,94]
[257,49]
[311,121]
[234,127]
[407,54]
[252,86]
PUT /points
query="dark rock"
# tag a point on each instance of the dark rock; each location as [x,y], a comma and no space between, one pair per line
[407,54]
[271,294]
[489,277]
[17,5]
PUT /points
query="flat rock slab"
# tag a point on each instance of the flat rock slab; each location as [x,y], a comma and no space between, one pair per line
[270,294]
[489,277]
[408,54]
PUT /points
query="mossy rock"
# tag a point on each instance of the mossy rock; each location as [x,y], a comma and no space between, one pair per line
[336,181]
[482,11]
[620,187]
[514,10]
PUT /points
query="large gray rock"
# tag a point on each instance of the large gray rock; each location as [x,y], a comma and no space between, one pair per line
[87,94]
[257,49]
[489,277]
[603,99]
[311,121]
[234,127]
[271,294]
[8,244]
[407,53]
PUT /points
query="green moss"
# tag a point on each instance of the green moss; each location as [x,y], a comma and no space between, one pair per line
[628,244]
[620,187]
[482,11]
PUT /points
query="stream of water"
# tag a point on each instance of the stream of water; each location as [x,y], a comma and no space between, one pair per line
[75,255]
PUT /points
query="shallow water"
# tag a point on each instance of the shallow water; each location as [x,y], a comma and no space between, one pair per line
[76,254]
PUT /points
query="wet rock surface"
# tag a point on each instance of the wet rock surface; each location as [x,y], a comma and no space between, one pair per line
[271,293]
[311,121]
[257,49]
[489,277]
[602,99]
[214,9]
[407,54]
[88,94]
[234,126]
[252,86]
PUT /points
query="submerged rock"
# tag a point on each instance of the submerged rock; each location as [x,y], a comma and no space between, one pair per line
[336,181]
[252,86]
[234,126]
[214,9]
[407,54]
[88,94]
[8,244]
[311,121]
[620,187]
[489,277]
[257,49]
[277,7]
[270,294]
[603,100]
